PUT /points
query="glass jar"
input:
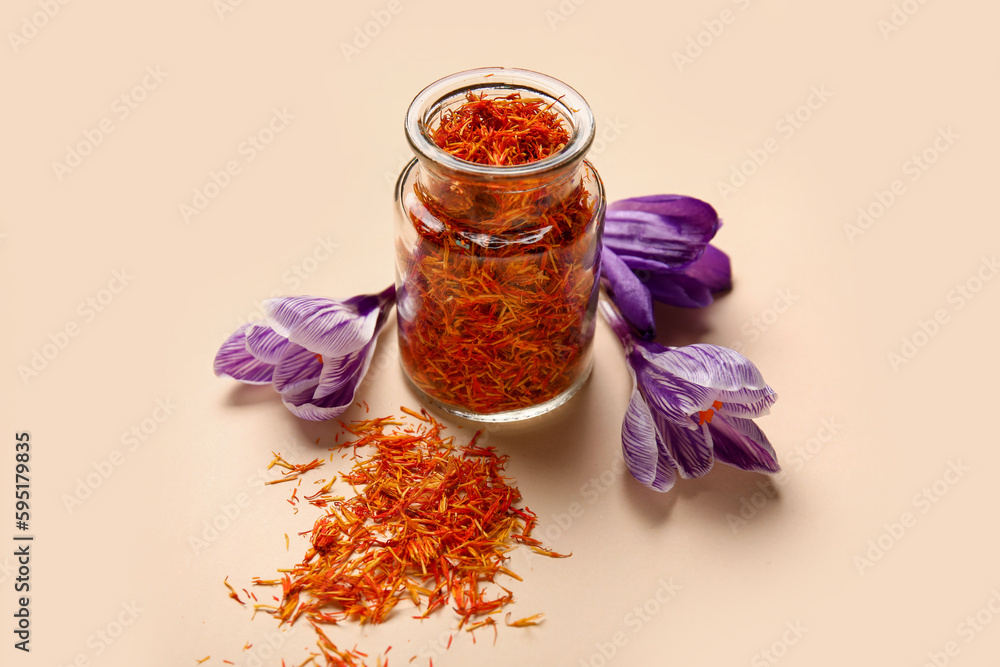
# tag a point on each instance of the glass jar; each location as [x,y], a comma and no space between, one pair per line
[497,267]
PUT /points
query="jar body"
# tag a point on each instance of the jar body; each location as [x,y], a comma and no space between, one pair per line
[497,278]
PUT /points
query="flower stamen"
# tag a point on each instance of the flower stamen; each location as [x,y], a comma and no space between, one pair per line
[705,416]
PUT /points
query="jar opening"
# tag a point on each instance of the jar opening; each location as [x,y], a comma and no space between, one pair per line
[451,92]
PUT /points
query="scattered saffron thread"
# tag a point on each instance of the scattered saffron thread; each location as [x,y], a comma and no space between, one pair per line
[432,522]
[524,622]
[232,591]
[291,471]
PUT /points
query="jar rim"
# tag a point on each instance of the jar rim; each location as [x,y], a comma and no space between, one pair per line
[571,103]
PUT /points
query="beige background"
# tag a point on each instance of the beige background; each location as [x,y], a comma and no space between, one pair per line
[840,561]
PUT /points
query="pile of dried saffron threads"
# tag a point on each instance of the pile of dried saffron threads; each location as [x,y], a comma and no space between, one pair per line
[431,523]
[501,275]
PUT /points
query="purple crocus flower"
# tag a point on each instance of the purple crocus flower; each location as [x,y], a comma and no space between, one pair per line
[690,406]
[313,351]
[656,247]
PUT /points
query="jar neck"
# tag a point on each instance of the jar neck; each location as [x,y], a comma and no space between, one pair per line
[433,177]
[472,198]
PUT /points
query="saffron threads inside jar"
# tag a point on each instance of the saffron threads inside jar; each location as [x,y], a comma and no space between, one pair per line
[498,270]
[501,131]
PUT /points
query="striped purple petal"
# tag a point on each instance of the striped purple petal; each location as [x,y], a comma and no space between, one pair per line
[265,343]
[339,373]
[693,402]
[668,395]
[639,440]
[303,404]
[666,471]
[645,457]
[314,351]
[297,367]
[690,448]
[327,327]
[748,396]
[679,383]
[235,361]
[747,410]
[710,366]
[740,443]
[343,371]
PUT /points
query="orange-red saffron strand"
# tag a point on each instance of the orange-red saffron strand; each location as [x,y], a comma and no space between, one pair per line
[504,278]
[432,523]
